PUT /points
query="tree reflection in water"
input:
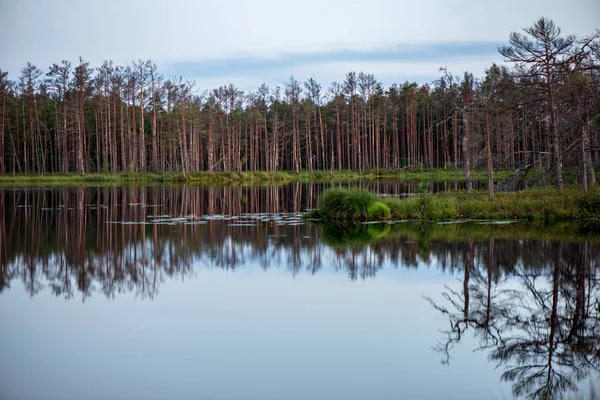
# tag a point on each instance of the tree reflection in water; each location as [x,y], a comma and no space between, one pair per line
[540,323]
[101,239]
[532,303]
[66,238]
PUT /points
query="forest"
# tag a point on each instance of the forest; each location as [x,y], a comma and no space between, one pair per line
[541,110]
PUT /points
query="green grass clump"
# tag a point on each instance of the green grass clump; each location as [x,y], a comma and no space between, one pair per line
[378,210]
[402,208]
[345,204]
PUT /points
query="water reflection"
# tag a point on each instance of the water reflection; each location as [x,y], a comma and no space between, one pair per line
[540,323]
[532,301]
[103,239]
[67,239]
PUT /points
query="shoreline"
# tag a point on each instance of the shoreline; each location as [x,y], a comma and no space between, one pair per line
[250,177]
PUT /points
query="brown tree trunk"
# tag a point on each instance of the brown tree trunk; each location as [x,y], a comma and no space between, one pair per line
[81,136]
[211,150]
[490,169]
[323,166]
[142,140]
[338,134]
[557,157]
[154,129]
[2,124]
[588,166]
[465,150]
[134,142]
[115,162]
[122,132]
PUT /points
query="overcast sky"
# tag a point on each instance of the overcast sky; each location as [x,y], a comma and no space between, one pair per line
[250,42]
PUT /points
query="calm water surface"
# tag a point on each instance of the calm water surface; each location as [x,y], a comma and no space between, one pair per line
[226,293]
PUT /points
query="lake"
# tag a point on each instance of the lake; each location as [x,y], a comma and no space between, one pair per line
[226,292]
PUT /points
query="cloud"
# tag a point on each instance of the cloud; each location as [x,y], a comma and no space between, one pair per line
[397,71]
[196,31]
[387,72]
[392,65]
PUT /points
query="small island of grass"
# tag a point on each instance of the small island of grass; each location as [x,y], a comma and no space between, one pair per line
[535,204]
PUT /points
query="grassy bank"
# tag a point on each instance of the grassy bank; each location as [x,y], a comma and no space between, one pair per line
[243,177]
[72,178]
[539,205]
[255,177]
[124,178]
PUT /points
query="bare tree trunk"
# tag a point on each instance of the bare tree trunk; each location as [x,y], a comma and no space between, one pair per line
[465,151]
[32,131]
[107,136]
[308,142]
[25,158]
[211,144]
[65,138]
[142,141]
[154,127]
[584,169]
[98,148]
[134,145]
[122,126]
[81,135]
[588,165]
[338,135]
[490,169]
[15,158]
[183,141]
[323,166]
[455,138]
[2,163]
[115,162]
[555,137]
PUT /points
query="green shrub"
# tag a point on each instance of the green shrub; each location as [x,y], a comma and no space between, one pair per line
[378,210]
[589,207]
[346,204]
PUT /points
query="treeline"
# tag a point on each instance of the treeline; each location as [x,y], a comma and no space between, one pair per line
[543,112]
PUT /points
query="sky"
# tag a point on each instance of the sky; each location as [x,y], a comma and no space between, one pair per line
[250,42]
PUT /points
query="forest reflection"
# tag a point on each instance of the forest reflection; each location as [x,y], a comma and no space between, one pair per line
[537,319]
[532,302]
[67,239]
[102,239]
